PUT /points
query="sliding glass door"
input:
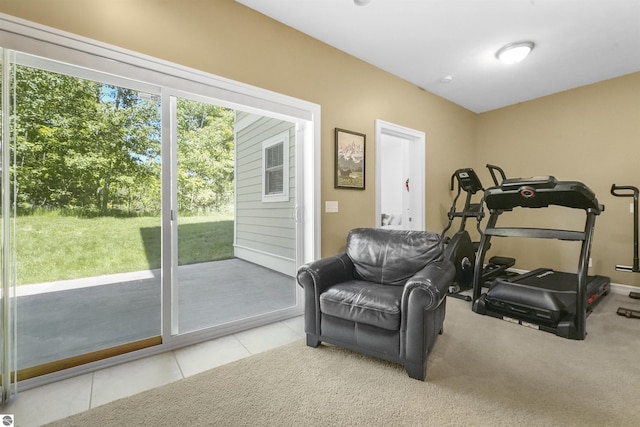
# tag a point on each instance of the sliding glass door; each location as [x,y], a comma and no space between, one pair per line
[89,163]
[87,173]
[235,204]
[145,206]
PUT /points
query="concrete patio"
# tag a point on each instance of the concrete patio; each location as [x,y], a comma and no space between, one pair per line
[64,319]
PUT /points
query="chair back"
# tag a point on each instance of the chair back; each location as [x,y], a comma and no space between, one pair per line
[391,257]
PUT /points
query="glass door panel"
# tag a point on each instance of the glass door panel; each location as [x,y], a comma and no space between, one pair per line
[236,225]
[87,170]
[7,226]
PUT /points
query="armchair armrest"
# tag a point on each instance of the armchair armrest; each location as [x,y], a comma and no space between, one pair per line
[325,272]
[422,296]
[315,277]
[432,282]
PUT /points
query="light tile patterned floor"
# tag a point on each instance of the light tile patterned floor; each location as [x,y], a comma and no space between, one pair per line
[51,402]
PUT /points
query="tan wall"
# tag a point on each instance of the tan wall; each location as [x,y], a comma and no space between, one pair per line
[589,134]
[229,40]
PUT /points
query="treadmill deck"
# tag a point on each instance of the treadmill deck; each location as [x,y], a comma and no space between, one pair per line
[542,296]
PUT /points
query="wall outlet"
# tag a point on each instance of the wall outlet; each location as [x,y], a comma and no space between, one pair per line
[631,207]
[590,262]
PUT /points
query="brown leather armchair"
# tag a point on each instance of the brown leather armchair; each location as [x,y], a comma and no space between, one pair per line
[385,296]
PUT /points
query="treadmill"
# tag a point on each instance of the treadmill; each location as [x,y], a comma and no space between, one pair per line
[544,299]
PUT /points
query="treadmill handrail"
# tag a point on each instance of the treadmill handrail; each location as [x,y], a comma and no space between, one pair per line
[492,171]
[540,233]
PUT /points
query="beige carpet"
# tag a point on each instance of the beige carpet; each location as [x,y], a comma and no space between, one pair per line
[482,372]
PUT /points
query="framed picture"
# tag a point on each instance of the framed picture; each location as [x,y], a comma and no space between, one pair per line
[350,156]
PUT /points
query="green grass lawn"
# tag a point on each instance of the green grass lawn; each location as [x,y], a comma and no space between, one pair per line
[57,247]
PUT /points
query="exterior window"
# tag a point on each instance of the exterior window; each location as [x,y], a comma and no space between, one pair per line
[275,177]
[273,169]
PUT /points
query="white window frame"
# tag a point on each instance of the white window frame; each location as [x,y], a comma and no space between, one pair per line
[281,138]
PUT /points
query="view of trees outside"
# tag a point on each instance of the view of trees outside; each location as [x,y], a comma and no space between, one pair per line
[94,148]
[89,150]
[205,153]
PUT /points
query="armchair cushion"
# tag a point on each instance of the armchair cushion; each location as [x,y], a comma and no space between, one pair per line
[364,302]
[391,258]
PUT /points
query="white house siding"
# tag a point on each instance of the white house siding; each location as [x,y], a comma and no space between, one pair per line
[265,232]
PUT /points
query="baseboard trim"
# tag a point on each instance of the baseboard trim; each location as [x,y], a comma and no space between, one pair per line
[274,262]
[618,288]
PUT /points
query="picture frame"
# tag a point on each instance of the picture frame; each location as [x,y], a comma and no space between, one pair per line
[350,159]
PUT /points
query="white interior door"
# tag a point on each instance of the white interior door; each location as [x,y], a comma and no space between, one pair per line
[400,164]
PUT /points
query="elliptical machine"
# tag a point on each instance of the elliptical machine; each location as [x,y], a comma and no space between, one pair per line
[459,247]
[630,191]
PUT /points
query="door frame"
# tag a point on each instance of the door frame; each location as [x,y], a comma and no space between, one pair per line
[417,150]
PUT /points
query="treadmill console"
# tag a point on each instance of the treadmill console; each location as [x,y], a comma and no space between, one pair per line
[534,181]
[541,192]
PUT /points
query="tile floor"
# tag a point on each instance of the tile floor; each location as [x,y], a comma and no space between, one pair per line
[41,405]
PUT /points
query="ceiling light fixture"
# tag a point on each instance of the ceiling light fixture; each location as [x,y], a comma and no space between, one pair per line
[514,52]
[362,2]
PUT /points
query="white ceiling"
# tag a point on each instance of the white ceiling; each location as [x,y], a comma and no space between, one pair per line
[577,42]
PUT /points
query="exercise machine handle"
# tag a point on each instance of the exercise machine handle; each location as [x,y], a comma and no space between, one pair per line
[619,191]
[492,169]
[630,191]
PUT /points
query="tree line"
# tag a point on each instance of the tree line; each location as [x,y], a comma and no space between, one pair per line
[89,147]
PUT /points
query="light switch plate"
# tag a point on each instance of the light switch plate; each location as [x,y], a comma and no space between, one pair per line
[331,206]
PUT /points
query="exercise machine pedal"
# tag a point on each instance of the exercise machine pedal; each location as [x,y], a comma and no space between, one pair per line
[627,312]
[502,261]
[634,295]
